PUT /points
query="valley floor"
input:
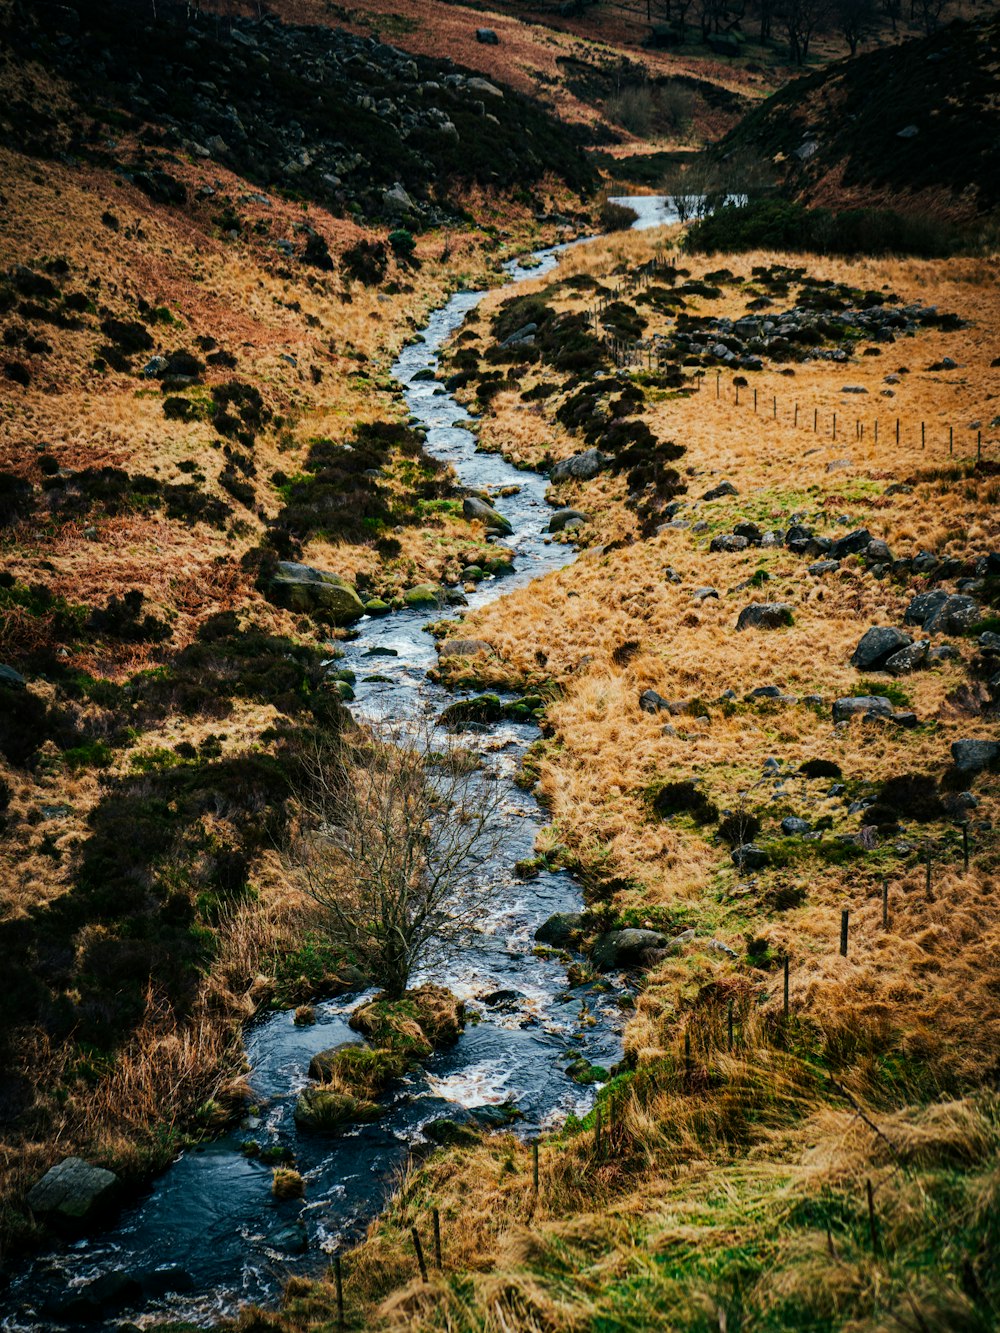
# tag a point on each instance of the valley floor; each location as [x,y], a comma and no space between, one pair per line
[799,1136]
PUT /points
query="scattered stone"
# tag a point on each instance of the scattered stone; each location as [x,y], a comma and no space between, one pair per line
[724,488]
[423,595]
[624,948]
[876,645]
[793,827]
[907,659]
[853,544]
[749,856]
[702,594]
[728,543]
[925,604]
[11,679]
[824,567]
[651,702]
[561,930]
[765,615]
[954,615]
[972,756]
[487,37]
[73,1191]
[580,467]
[861,705]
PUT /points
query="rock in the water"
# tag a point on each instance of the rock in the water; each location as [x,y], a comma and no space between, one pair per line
[464,648]
[877,644]
[423,595]
[561,518]
[473,507]
[323,1063]
[323,1111]
[440,1014]
[765,615]
[73,1191]
[302,588]
[560,930]
[624,948]
[861,705]
[579,467]
[972,756]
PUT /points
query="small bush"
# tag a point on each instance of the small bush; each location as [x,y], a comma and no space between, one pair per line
[616,217]
[676,798]
[821,768]
[739,828]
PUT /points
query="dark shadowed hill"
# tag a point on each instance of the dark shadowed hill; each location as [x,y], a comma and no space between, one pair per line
[916,126]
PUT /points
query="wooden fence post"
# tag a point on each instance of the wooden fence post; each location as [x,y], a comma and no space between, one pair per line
[420,1253]
[437,1240]
[885,904]
[534,1166]
[786,987]
[844,916]
[339,1280]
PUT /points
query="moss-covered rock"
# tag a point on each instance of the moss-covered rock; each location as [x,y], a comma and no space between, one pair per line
[308,590]
[423,595]
[323,1111]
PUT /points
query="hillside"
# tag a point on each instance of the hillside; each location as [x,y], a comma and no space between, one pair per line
[914,127]
[208,270]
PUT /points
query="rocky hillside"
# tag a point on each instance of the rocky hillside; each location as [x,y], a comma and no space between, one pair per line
[912,127]
[215,239]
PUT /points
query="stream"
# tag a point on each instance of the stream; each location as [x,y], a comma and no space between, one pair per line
[208,1236]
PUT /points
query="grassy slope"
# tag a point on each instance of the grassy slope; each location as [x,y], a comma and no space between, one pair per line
[730,1192]
[145,911]
[944,85]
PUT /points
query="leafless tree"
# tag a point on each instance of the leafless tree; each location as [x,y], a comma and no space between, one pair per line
[800,18]
[855,19]
[396,830]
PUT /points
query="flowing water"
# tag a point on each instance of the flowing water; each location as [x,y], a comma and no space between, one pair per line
[208,1236]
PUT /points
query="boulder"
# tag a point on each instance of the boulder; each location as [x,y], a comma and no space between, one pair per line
[11,679]
[487,37]
[323,1063]
[924,605]
[580,467]
[723,489]
[729,543]
[561,519]
[877,552]
[561,930]
[793,827]
[749,856]
[651,702]
[473,507]
[73,1191]
[853,544]
[988,642]
[972,756]
[764,615]
[423,595]
[907,659]
[464,648]
[861,705]
[955,615]
[824,567]
[624,948]
[303,588]
[876,645]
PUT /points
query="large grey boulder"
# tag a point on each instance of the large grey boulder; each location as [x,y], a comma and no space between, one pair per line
[853,544]
[579,467]
[907,659]
[729,543]
[955,615]
[473,507]
[972,756]
[651,702]
[73,1191]
[562,518]
[303,588]
[719,492]
[764,615]
[863,705]
[624,948]
[924,605]
[877,644]
[487,37]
